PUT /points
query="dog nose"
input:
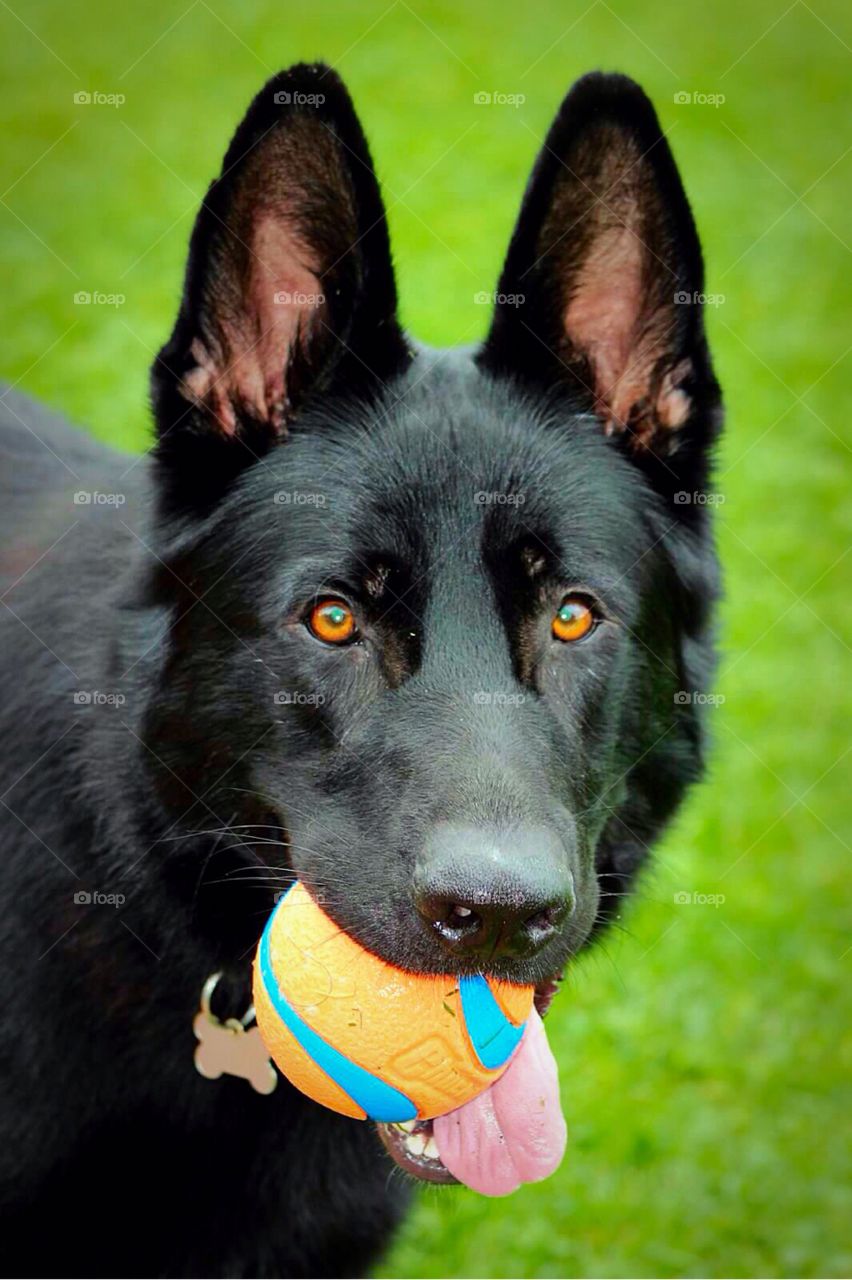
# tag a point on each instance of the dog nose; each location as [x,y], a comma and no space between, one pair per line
[492,894]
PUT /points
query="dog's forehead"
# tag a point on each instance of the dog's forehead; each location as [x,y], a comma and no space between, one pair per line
[453,469]
[467,462]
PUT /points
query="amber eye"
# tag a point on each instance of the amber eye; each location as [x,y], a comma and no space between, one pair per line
[573,619]
[332,621]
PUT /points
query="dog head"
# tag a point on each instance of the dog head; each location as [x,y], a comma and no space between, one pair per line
[431,614]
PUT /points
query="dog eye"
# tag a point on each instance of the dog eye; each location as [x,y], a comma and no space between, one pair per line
[333,622]
[574,619]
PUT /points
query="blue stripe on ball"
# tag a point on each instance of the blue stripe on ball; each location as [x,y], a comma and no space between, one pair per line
[493,1036]
[379,1100]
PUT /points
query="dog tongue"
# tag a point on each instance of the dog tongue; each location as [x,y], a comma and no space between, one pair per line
[515,1131]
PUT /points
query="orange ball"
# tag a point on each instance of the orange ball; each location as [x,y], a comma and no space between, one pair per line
[369,1040]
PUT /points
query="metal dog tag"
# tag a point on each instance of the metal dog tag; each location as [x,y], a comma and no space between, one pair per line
[230,1048]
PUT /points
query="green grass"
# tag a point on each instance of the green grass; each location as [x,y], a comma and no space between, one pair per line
[704,1050]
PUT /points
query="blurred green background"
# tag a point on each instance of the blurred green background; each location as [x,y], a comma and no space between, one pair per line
[704,1048]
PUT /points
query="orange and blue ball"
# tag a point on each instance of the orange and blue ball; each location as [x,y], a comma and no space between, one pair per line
[370,1040]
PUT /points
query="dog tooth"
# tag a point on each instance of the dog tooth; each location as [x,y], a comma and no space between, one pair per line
[431,1150]
[416,1144]
[406,1125]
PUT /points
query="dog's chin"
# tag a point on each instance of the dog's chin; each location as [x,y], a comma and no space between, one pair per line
[411,1144]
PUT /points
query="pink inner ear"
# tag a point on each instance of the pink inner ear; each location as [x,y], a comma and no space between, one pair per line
[602,318]
[624,333]
[279,298]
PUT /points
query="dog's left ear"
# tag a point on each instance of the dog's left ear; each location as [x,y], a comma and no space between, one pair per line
[289,288]
[602,286]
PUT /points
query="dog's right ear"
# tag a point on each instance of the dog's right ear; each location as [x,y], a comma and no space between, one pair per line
[602,289]
[289,288]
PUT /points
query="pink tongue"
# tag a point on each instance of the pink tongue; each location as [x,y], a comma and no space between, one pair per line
[515,1131]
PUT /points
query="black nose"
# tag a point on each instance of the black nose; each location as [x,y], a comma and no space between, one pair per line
[488,893]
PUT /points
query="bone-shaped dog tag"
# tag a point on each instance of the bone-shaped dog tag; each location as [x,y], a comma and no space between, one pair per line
[228,1048]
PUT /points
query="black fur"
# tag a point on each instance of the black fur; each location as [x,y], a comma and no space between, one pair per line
[195,792]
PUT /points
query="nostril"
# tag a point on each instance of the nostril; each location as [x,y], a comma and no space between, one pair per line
[549,918]
[542,924]
[455,921]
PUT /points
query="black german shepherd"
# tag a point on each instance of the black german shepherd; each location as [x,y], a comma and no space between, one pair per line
[420,628]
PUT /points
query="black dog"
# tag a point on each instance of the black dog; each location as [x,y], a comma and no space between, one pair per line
[420,628]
